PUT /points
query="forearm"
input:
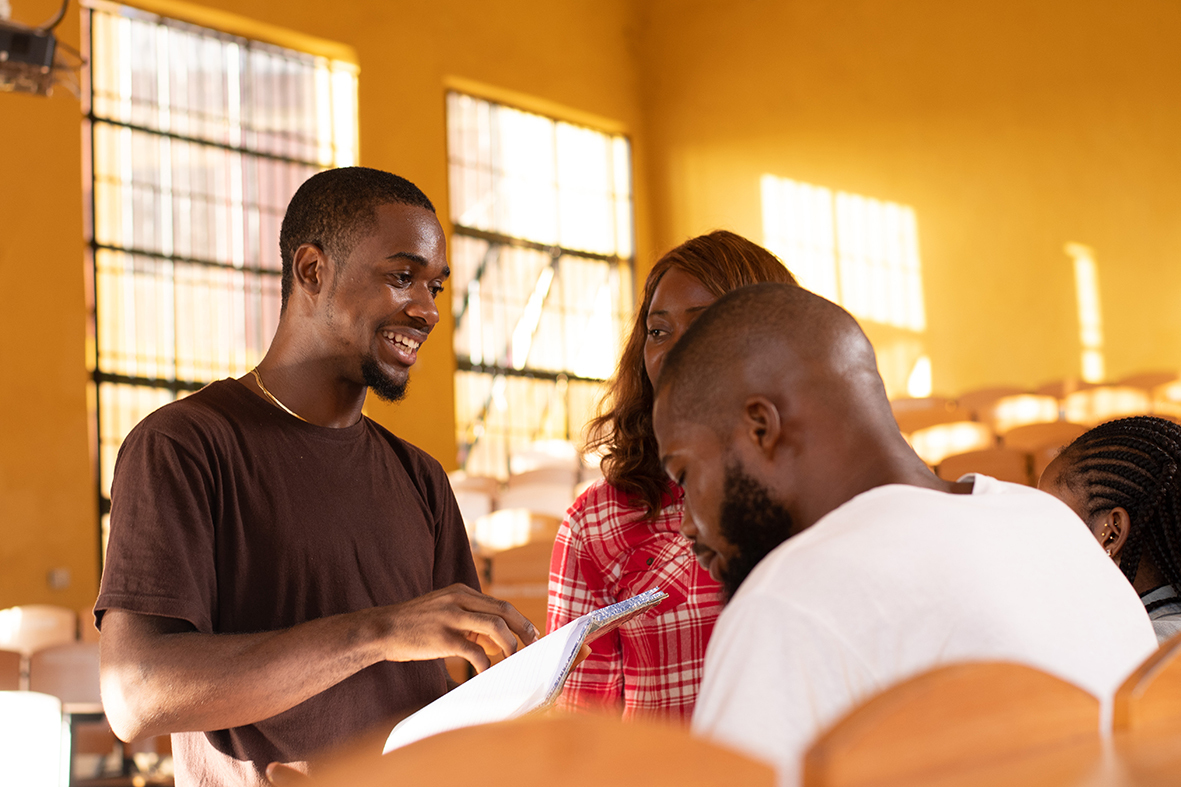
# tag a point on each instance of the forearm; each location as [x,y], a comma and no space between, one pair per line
[175,681]
[159,676]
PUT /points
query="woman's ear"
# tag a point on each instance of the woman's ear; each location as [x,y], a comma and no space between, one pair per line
[1112,531]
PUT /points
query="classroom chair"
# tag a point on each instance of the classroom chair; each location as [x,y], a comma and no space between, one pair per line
[958,724]
[1003,464]
[550,749]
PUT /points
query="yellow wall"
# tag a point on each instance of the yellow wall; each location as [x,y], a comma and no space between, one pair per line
[1011,128]
[47,487]
[573,54]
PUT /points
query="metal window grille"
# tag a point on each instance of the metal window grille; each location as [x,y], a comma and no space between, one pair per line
[197,140]
[542,275]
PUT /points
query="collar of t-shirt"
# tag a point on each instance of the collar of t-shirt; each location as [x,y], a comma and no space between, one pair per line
[1161,602]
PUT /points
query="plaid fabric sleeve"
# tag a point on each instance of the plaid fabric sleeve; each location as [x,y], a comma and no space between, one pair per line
[576,587]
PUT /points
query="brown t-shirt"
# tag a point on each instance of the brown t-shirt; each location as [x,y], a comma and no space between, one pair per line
[236,517]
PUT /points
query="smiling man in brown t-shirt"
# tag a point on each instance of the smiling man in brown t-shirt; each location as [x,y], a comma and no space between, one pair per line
[283,573]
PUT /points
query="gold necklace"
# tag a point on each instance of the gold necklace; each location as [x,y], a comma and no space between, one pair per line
[273,398]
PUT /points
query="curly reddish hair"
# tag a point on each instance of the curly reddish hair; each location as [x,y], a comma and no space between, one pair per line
[622,431]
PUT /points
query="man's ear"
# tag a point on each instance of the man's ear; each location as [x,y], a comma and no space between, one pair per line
[309,266]
[1112,531]
[761,424]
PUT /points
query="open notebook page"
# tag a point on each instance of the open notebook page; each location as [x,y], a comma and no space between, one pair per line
[506,690]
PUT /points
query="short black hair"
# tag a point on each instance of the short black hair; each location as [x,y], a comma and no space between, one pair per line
[333,209]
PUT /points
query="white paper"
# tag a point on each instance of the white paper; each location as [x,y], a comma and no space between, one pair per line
[506,690]
[524,681]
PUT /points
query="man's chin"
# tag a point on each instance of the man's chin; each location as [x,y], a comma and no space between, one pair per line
[386,387]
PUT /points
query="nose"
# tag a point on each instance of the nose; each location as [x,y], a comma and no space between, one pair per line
[687,527]
[422,306]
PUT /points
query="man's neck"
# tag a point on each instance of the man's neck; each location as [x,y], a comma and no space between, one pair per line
[310,387]
[872,464]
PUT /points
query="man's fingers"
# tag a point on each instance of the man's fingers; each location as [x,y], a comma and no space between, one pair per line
[485,642]
[494,628]
[516,622]
[473,654]
[460,621]
[521,625]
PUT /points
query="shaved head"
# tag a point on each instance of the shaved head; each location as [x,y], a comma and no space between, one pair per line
[766,336]
[770,413]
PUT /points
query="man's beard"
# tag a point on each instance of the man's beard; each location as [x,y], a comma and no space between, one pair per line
[752,522]
[380,383]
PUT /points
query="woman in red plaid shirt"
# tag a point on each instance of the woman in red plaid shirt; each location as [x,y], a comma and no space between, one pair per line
[621,537]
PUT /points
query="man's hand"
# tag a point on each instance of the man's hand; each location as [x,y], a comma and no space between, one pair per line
[456,621]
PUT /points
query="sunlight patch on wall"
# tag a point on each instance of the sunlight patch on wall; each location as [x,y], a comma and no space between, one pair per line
[1090,314]
[918,385]
[862,253]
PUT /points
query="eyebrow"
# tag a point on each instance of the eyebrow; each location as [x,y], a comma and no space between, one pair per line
[690,309]
[406,255]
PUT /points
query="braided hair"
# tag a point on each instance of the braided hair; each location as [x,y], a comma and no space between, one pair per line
[1133,463]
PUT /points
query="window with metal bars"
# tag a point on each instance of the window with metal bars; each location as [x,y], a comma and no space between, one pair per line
[542,275]
[197,140]
[860,252]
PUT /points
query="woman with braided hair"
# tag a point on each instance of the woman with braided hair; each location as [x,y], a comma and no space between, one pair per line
[1124,479]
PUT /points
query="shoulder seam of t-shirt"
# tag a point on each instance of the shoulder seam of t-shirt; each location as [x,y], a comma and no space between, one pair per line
[149,429]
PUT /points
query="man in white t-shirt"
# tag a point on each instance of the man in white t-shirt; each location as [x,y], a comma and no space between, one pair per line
[848,564]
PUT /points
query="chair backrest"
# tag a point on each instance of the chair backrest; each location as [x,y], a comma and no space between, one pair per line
[1012,411]
[1166,399]
[1149,380]
[68,672]
[979,402]
[461,481]
[509,528]
[1104,403]
[10,670]
[1035,437]
[1043,442]
[935,443]
[1152,693]
[559,454]
[552,498]
[1059,389]
[913,414]
[547,750]
[30,627]
[472,506]
[1003,464]
[951,720]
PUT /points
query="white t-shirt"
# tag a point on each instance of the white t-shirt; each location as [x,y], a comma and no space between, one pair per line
[902,579]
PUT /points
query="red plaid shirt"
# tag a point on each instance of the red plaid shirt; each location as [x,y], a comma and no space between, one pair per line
[605,552]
